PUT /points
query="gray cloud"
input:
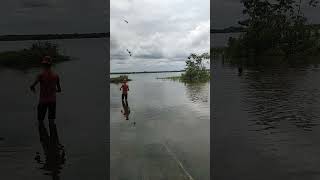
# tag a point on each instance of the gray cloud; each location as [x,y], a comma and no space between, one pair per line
[160,34]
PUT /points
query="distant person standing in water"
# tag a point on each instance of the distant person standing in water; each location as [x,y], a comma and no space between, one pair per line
[125,89]
[49,85]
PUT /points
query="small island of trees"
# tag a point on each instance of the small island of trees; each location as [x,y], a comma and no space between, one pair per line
[195,71]
[31,57]
[120,79]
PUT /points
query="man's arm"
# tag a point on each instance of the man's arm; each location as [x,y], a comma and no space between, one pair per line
[32,87]
[120,88]
[58,85]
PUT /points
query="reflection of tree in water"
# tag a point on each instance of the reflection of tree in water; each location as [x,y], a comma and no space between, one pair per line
[278,96]
[198,92]
[54,153]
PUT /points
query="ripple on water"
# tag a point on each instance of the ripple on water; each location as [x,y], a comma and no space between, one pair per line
[271,98]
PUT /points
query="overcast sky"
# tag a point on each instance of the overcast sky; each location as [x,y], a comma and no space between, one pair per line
[52,16]
[160,34]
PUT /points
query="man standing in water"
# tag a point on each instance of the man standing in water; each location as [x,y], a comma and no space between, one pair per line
[125,89]
[49,85]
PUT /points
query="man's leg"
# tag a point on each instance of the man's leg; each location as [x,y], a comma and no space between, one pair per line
[52,125]
[44,136]
[41,112]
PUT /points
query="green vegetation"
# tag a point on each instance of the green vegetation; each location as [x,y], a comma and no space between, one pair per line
[275,28]
[31,57]
[119,79]
[195,71]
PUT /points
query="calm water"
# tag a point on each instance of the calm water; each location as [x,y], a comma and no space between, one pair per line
[81,116]
[167,134]
[221,40]
[266,123]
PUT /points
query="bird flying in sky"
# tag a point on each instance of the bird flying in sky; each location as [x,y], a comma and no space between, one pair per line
[129,52]
[126,21]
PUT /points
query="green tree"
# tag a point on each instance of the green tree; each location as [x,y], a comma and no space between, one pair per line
[273,26]
[195,68]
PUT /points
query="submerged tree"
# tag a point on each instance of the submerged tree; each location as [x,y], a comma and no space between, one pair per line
[196,70]
[276,26]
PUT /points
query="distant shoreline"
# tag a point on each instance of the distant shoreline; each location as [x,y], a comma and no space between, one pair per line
[142,72]
[53,36]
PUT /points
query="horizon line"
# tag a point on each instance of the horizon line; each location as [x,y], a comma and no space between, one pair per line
[137,72]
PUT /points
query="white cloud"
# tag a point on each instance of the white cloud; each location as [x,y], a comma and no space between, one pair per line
[160,34]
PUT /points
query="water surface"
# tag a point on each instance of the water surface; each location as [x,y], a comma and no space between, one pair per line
[168,127]
[266,122]
[81,116]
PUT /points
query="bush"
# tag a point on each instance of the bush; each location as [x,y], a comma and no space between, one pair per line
[119,79]
[195,70]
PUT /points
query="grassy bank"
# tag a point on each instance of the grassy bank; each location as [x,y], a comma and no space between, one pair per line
[119,79]
[31,57]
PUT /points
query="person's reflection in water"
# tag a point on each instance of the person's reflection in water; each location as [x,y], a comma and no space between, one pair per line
[126,109]
[240,70]
[54,152]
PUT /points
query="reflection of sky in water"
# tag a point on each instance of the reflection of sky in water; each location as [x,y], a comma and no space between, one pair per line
[165,111]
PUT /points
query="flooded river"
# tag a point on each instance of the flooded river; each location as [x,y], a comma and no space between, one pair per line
[167,132]
[169,140]
[81,117]
[266,123]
